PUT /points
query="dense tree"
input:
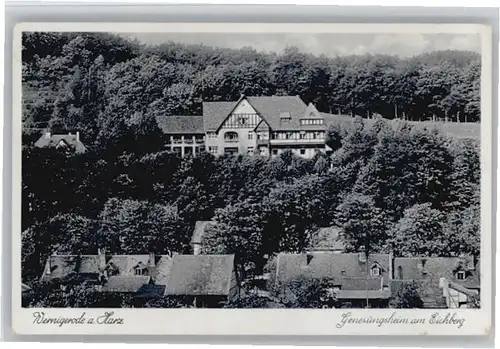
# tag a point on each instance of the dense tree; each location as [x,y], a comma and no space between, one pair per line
[420,233]
[407,296]
[238,230]
[363,224]
[130,226]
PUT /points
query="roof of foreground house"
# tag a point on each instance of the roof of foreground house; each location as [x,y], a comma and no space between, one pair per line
[71,140]
[194,275]
[427,272]
[127,284]
[333,266]
[438,267]
[179,124]
[119,268]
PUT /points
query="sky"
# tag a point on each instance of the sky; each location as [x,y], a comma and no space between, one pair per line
[403,45]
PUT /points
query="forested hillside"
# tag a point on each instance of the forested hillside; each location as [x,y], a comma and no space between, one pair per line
[102,84]
[389,186]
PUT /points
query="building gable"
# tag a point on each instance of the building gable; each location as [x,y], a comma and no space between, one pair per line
[243,115]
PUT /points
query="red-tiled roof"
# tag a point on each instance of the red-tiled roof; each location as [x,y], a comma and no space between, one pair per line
[194,275]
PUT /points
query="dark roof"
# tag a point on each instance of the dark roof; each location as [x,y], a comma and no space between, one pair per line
[428,275]
[61,266]
[326,239]
[214,113]
[359,294]
[178,124]
[438,267]
[48,140]
[194,275]
[199,230]
[117,265]
[360,283]
[128,284]
[271,109]
[332,266]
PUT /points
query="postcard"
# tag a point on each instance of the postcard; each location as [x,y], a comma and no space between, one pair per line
[252,179]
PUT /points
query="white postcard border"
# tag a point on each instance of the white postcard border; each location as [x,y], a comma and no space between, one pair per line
[259,321]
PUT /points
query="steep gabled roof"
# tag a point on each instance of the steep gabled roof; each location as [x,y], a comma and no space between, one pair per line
[438,267]
[195,275]
[62,266]
[273,107]
[333,266]
[214,113]
[311,112]
[128,284]
[178,124]
[49,141]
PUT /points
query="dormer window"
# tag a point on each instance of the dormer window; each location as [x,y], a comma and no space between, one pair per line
[343,272]
[140,271]
[461,275]
[375,271]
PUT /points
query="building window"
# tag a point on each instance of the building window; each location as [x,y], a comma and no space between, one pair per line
[243,119]
[461,275]
[285,115]
[212,135]
[250,150]
[212,150]
[231,151]
[275,151]
[140,271]
[375,271]
[231,137]
[188,151]
[177,150]
[250,135]
[302,151]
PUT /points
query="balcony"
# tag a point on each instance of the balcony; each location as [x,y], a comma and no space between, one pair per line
[199,141]
[298,141]
[262,141]
[188,141]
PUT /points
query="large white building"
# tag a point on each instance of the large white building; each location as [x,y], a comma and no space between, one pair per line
[251,125]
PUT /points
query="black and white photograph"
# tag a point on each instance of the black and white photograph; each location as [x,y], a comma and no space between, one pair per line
[251,170]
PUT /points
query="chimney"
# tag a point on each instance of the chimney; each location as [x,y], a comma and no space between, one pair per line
[362,257]
[151,259]
[49,265]
[309,258]
[78,136]
[391,266]
[102,259]
[47,135]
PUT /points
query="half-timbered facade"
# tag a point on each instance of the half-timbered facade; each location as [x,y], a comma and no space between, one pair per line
[266,126]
